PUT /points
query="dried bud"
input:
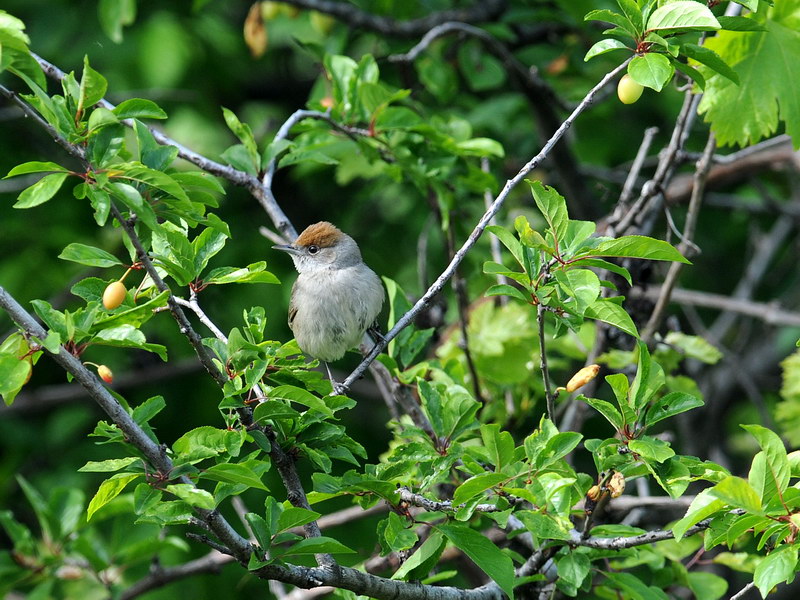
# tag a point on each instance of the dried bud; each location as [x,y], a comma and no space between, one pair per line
[593,493]
[105,374]
[69,572]
[582,377]
[255,34]
[616,484]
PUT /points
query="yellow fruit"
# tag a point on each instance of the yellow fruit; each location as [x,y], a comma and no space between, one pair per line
[105,374]
[628,90]
[114,295]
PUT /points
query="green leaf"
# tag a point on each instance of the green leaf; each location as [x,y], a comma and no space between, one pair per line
[573,568]
[554,209]
[127,336]
[499,445]
[613,314]
[489,558]
[36,166]
[205,442]
[261,530]
[777,567]
[694,346]
[633,13]
[41,191]
[606,409]
[651,70]
[295,517]
[234,473]
[316,545]
[706,585]
[581,284]
[114,15]
[140,173]
[244,133]
[192,495]
[476,485]
[737,492]
[93,86]
[427,554]
[108,490]
[651,449]
[300,396]
[777,460]
[711,59]
[670,405]
[638,246]
[509,241]
[253,273]
[89,255]
[681,16]
[105,466]
[614,18]
[603,46]
[139,108]
[704,505]
[503,289]
[13,373]
[740,23]
[481,147]
[274,410]
[769,80]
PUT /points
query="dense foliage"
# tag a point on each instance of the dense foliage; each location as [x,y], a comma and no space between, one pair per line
[554,425]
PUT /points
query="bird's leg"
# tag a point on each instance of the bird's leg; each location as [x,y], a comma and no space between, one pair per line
[338,389]
[375,331]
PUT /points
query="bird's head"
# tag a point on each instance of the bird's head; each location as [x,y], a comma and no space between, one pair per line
[322,246]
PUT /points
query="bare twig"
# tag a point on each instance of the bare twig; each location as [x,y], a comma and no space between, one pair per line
[410,497]
[440,282]
[636,167]
[743,592]
[548,393]
[351,14]
[703,166]
[769,312]
[159,577]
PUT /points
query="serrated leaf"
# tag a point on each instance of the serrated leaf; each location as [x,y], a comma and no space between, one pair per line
[252,273]
[89,255]
[651,70]
[428,552]
[606,409]
[704,505]
[766,64]
[638,246]
[651,449]
[737,492]
[553,207]
[613,314]
[682,15]
[777,567]
[777,460]
[295,517]
[316,545]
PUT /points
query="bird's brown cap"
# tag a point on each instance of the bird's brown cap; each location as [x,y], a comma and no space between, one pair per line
[322,234]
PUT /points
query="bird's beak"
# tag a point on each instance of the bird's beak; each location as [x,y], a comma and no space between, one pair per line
[286,248]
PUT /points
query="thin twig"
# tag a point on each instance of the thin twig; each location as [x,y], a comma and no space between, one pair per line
[479,12]
[636,167]
[440,282]
[548,394]
[160,577]
[701,174]
[742,592]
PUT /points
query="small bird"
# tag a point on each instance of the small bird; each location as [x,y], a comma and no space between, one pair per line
[336,297]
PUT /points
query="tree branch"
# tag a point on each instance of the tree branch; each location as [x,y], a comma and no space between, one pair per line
[495,207]
[700,177]
[480,11]
[159,577]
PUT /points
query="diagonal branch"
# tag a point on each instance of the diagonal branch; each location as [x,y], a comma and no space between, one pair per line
[495,207]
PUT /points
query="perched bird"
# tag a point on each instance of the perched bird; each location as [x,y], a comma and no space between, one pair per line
[336,297]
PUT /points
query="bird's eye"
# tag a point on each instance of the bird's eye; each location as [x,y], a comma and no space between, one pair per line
[313,249]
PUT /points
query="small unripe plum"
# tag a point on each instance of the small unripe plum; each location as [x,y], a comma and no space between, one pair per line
[628,90]
[105,374]
[114,295]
